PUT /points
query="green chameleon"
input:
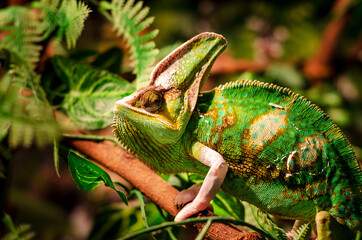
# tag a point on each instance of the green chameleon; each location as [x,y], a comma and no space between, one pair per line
[258,142]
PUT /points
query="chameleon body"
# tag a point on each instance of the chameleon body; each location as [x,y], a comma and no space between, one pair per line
[259,142]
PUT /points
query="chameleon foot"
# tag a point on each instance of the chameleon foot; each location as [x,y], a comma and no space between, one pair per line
[186,196]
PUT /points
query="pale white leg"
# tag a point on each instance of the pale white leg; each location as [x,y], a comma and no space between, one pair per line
[212,181]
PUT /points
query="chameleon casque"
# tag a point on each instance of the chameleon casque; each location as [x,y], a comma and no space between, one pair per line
[258,142]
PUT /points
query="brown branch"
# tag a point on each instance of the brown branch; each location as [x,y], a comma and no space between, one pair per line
[318,66]
[148,182]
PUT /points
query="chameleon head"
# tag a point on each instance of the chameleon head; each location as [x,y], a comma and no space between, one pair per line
[163,109]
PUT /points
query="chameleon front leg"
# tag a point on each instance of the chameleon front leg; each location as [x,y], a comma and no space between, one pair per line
[187,195]
[212,182]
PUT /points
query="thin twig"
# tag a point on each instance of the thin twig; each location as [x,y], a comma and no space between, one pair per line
[209,220]
[204,230]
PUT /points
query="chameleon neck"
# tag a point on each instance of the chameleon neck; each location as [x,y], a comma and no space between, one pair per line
[163,158]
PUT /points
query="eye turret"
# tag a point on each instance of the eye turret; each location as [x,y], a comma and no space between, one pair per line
[152,101]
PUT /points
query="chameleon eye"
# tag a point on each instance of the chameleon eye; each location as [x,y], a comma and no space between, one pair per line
[152,101]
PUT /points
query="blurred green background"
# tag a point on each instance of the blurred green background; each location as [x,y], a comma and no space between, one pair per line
[311,47]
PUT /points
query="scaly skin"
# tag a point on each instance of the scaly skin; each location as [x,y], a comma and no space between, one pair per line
[284,154]
[265,144]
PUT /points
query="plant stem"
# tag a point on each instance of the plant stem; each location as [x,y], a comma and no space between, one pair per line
[204,230]
[209,220]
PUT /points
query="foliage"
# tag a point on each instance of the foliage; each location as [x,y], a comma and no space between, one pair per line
[129,21]
[115,221]
[21,232]
[91,93]
[226,205]
[23,108]
[302,232]
[267,224]
[24,111]
[23,35]
[68,17]
[88,175]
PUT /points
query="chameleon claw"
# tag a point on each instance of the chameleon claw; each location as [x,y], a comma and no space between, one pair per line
[186,196]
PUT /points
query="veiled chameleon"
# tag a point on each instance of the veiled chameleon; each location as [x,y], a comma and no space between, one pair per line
[259,142]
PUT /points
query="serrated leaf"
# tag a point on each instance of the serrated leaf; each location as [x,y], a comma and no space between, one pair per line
[141,15]
[129,21]
[75,13]
[21,232]
[88,175]
[23,34]
[67,18]
[144,24]
[135,9]
[92,93]
[302,232]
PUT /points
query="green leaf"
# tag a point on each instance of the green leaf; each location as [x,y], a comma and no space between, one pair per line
[25,115]
[225,204]
[9,222]
[129,21]
[68,18]
[22,34]
[88,175]
[76,13]
[21,232]
[266,224]
[302,232]
[92,95]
